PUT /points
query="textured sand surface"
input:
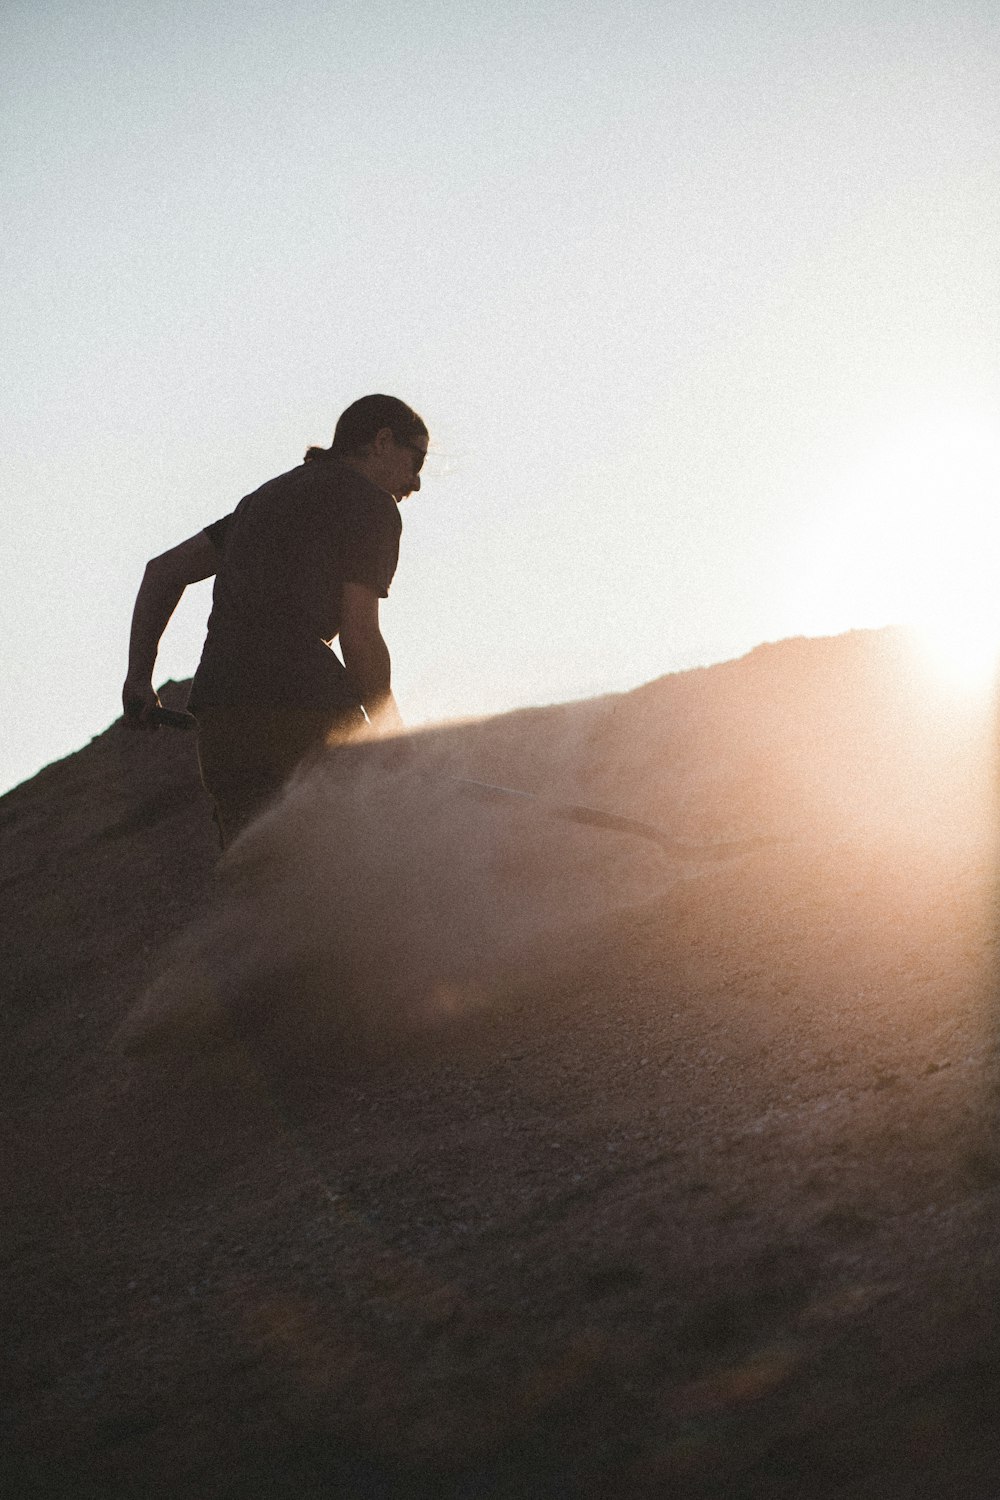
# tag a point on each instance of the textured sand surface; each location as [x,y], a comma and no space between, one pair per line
[463,1152]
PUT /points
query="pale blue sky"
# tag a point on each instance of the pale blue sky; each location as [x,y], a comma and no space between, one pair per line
[700,303]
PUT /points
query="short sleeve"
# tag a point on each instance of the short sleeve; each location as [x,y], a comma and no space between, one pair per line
[217,531]
[371,546]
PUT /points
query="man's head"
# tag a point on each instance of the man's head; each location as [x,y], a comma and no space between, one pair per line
[385,440]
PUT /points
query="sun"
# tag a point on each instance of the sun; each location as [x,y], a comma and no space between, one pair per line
[962,648]
[954,584]
[912,537]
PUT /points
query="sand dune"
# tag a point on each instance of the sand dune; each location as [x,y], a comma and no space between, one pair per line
[434,1145]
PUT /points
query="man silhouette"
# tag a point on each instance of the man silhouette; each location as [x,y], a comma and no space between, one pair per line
[300,562]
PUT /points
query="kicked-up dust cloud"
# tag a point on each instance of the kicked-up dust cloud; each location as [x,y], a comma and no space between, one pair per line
[381,896]
[376,899]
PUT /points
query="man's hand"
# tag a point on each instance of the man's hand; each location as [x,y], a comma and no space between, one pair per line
[138,701]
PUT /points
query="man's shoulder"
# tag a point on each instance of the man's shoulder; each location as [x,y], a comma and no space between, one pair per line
[348,482]
[363,499]
[267,496]
[312,491]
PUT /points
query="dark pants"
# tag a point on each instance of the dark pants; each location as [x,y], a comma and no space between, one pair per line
[246,754]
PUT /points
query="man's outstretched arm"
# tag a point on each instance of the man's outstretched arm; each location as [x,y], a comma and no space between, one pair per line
[366,657]
[164,581]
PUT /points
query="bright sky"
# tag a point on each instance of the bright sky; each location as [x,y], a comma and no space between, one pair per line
[699,301]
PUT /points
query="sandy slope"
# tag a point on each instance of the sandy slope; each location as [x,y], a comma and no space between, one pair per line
[662,1177]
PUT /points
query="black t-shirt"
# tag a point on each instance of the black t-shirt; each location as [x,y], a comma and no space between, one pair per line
[286,552]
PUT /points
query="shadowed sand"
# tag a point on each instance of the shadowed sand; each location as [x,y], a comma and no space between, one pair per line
[433,1146]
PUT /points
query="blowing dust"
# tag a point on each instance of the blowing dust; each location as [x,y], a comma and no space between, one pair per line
[376,899]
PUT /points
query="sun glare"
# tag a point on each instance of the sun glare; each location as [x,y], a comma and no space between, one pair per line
[964,650]
[912,538]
